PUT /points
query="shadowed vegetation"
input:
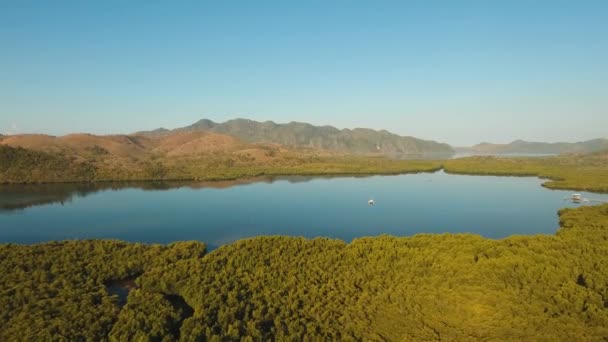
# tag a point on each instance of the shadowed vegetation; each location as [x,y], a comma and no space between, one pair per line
[27,166]
[426,287]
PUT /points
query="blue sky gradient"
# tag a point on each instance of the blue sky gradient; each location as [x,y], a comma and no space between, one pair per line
[455,71]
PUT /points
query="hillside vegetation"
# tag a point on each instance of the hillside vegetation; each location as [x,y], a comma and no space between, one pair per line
[303,135]
[575,172]
[422,288]
[27,166]
[56,291]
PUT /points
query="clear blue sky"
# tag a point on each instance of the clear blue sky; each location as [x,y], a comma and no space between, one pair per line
[455,71]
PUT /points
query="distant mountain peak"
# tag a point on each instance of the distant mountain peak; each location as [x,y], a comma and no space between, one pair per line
[203,123]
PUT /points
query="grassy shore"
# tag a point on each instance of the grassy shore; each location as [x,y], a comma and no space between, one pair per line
[576,172]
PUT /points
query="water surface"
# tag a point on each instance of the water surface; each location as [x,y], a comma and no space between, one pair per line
[222,212]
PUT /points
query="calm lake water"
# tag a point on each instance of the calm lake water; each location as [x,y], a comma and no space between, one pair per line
[222,212]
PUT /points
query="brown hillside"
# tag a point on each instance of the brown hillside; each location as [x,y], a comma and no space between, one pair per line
[123,146]
[32,141]
[118,145]
[133,146]
[192,143]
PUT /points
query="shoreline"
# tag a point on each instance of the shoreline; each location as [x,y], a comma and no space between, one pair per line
[230,178]
[264,176]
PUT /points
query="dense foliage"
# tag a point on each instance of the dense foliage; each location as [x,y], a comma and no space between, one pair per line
[55,291]
[578,172]
[425,287]
[19,165]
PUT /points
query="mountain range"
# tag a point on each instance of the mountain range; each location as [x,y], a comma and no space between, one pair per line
[206,136]
[254,138]
[304,135]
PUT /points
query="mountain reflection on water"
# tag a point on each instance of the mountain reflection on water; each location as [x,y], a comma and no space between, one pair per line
[14,197]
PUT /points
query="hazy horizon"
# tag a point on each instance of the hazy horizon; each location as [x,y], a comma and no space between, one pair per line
[456,73]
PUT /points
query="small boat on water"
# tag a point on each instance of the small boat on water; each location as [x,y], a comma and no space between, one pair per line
[576,198]
[371,202]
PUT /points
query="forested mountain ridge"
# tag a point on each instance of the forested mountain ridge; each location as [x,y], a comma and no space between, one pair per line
[427,287]
[521,146]
[297,134]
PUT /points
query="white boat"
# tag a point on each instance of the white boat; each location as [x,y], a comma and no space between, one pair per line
[576,198]
[371,202]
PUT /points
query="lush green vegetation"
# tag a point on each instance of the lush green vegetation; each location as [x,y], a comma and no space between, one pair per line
[425,287]
[28,166]
[18,165]
[55,291]
[577,172]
